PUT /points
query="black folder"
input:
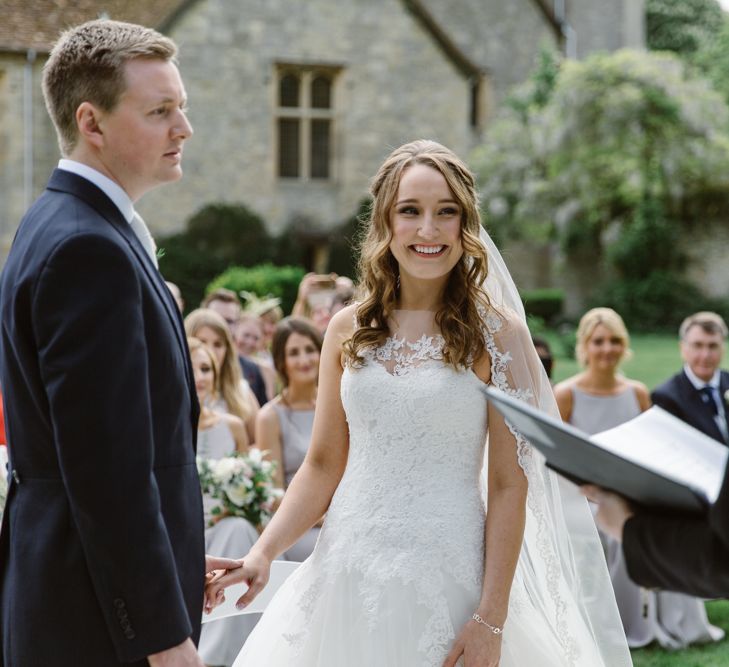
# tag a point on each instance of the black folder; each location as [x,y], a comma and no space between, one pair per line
[572,454]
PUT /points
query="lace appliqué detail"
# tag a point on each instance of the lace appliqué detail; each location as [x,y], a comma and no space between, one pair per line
[405,354]
[536,496]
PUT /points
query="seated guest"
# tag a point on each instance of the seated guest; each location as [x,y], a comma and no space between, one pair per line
[545,354]
[234,394]
[697,393]
[596,399]
[249,340]
[283,426]
[226,303]
[220,434]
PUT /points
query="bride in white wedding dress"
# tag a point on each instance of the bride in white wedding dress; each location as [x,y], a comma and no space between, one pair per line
[446,540]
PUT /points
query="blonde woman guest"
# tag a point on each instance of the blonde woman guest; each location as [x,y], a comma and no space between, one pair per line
[234,393]
[410,569]
[599,398]
[219,434]
[284,426]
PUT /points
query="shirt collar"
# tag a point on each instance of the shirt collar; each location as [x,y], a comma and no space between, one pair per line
[698,382]
[111,189]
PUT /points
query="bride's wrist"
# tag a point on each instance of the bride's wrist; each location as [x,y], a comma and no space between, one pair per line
[493,628]
[260,551]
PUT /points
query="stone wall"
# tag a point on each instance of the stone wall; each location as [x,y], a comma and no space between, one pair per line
[394,85]
[14,198]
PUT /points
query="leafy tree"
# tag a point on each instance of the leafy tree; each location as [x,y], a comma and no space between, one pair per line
[217,236]
[682,26]
[713,60]
[628,148]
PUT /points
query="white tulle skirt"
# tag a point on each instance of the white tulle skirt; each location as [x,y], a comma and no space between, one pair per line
[332,625]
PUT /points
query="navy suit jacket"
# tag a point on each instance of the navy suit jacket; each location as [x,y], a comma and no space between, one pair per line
[679,397]
[254,377]
[101,549]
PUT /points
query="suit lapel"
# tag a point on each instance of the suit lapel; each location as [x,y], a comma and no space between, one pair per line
[65,181]
[723,389]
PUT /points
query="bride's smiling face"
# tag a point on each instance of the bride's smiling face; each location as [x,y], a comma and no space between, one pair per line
[425,220]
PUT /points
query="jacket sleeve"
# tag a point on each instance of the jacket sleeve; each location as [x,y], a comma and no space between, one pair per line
[662,397]
[689,555]
[89,327]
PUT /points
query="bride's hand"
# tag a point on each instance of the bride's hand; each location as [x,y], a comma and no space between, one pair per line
[477,645]
[254,571]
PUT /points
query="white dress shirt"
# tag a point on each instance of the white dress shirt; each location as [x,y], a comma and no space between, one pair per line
[120,198]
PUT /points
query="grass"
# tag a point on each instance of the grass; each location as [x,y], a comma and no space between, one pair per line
[655,358]
[712,655]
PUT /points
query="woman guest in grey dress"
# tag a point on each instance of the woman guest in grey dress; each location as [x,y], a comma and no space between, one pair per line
[597,399]
[283,426]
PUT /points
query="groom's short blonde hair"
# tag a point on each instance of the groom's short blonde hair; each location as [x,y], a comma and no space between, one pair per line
[87,65]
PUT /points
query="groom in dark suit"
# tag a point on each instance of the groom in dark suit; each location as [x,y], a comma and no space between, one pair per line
[697,394]
[101,549]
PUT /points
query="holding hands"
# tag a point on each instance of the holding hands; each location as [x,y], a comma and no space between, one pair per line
[254,570]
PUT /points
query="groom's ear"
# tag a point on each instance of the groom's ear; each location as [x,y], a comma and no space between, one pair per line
[88,124]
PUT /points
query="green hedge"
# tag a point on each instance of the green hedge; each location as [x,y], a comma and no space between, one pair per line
[658,302]
[545,303]
[264,279]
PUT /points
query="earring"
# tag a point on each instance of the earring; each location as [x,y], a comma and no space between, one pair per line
[397,283]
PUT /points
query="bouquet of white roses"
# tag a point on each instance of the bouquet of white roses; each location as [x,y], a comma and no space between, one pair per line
[242,485]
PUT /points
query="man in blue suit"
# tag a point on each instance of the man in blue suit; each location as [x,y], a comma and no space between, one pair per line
[697,394]
[101,549]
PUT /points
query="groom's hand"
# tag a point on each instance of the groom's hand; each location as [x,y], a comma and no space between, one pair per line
[254,571]
[213,563]
[182,655]
[215,568]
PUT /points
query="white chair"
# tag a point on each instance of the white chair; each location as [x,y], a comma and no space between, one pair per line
[280,571]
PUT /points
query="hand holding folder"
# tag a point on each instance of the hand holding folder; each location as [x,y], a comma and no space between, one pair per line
[654,460]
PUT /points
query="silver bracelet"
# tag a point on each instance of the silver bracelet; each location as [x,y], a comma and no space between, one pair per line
[494,628]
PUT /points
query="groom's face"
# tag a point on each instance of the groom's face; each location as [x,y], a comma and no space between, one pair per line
[143,135]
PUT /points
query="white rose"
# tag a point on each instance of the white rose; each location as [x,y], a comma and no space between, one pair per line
[255,455]
[238,494]
[222,469]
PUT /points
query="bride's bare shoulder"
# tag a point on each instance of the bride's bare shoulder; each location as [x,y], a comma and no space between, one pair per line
[341,325]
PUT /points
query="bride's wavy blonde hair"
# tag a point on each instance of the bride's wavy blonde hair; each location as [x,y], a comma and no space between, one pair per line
[458,318]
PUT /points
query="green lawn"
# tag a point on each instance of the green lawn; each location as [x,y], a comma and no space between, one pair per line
[713,655]
[655,358]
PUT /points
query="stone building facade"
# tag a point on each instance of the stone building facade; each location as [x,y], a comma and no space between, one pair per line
[295,103]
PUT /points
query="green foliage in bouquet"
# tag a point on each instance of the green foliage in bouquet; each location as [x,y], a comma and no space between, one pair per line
[242,485]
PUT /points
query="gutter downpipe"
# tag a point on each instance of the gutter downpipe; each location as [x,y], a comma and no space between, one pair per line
[568,32]
[28,129]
